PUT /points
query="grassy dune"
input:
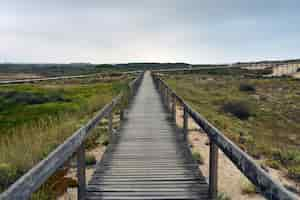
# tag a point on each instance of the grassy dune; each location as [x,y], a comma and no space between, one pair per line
[260,115]
[35,118]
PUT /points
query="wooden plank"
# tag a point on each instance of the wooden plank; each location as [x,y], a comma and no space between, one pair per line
[149,159]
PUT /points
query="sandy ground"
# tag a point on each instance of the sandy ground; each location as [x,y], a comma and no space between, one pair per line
[16,76]
[297,75]
[230,179]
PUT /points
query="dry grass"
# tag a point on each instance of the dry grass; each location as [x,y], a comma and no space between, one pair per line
[24,145]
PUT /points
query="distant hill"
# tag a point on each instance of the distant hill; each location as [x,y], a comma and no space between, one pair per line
[49,70]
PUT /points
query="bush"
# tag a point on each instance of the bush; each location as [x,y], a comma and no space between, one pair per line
[239,109]
[90,159]
[248,188]
[32,98]
[294,173]
[105,141]
[289,157]
[245,87]
[197,156]
[223,196]
[273,164]
[8,175]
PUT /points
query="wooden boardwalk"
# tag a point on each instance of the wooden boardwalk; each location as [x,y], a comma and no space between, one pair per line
[148,159]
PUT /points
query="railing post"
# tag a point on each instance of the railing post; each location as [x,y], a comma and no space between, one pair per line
[110,122]
[213,170]
[121,114]
[81,172]
[185,122]
[166,96]
[168,99]
[174,107]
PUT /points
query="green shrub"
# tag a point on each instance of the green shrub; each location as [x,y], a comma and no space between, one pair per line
[287,157]
[90,159]
[273,164]
[245,87]
[248,188]
[105,140]
[32,98]
[239,109]
[198,157]
[294,172]
[8,175]
[223,196]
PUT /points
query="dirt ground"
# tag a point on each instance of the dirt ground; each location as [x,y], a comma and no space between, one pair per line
[17,76]
[297,75]
[230,180]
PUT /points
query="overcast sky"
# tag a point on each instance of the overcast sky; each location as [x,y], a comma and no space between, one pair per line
[195,31]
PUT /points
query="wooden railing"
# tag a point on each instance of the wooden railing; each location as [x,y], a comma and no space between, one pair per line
[34,178]
[267,186]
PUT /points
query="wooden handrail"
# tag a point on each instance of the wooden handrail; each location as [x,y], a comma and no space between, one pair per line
[35,177]
[270,188]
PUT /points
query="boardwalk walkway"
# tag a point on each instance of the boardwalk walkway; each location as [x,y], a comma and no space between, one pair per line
[149,158]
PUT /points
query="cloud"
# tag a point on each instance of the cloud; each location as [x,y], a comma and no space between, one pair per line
[196,31]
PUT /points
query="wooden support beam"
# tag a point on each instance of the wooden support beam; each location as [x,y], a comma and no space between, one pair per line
[213,170]
[168,99]
[121,114]
[110,123]
[166,96]
[81,172]
[174,108]
[185,123]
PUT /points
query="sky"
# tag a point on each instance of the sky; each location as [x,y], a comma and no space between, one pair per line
[120,31]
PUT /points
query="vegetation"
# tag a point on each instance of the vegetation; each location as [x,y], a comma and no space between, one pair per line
[264,122]
[90,159]
[239,109]
[247,87]
[36,118]
[198,157]
[223,196]
[248,188]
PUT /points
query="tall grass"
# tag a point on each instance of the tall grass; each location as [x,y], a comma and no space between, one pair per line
[25,145]
[260,115]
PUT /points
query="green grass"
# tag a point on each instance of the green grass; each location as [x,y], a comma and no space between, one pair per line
[198,157]
[223,196]
[36,118]
[274,109]
[248,188]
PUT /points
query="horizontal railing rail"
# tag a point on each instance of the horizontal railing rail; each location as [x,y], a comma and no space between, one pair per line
[39,174]
[270,188]
[34,80]
[188,69]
